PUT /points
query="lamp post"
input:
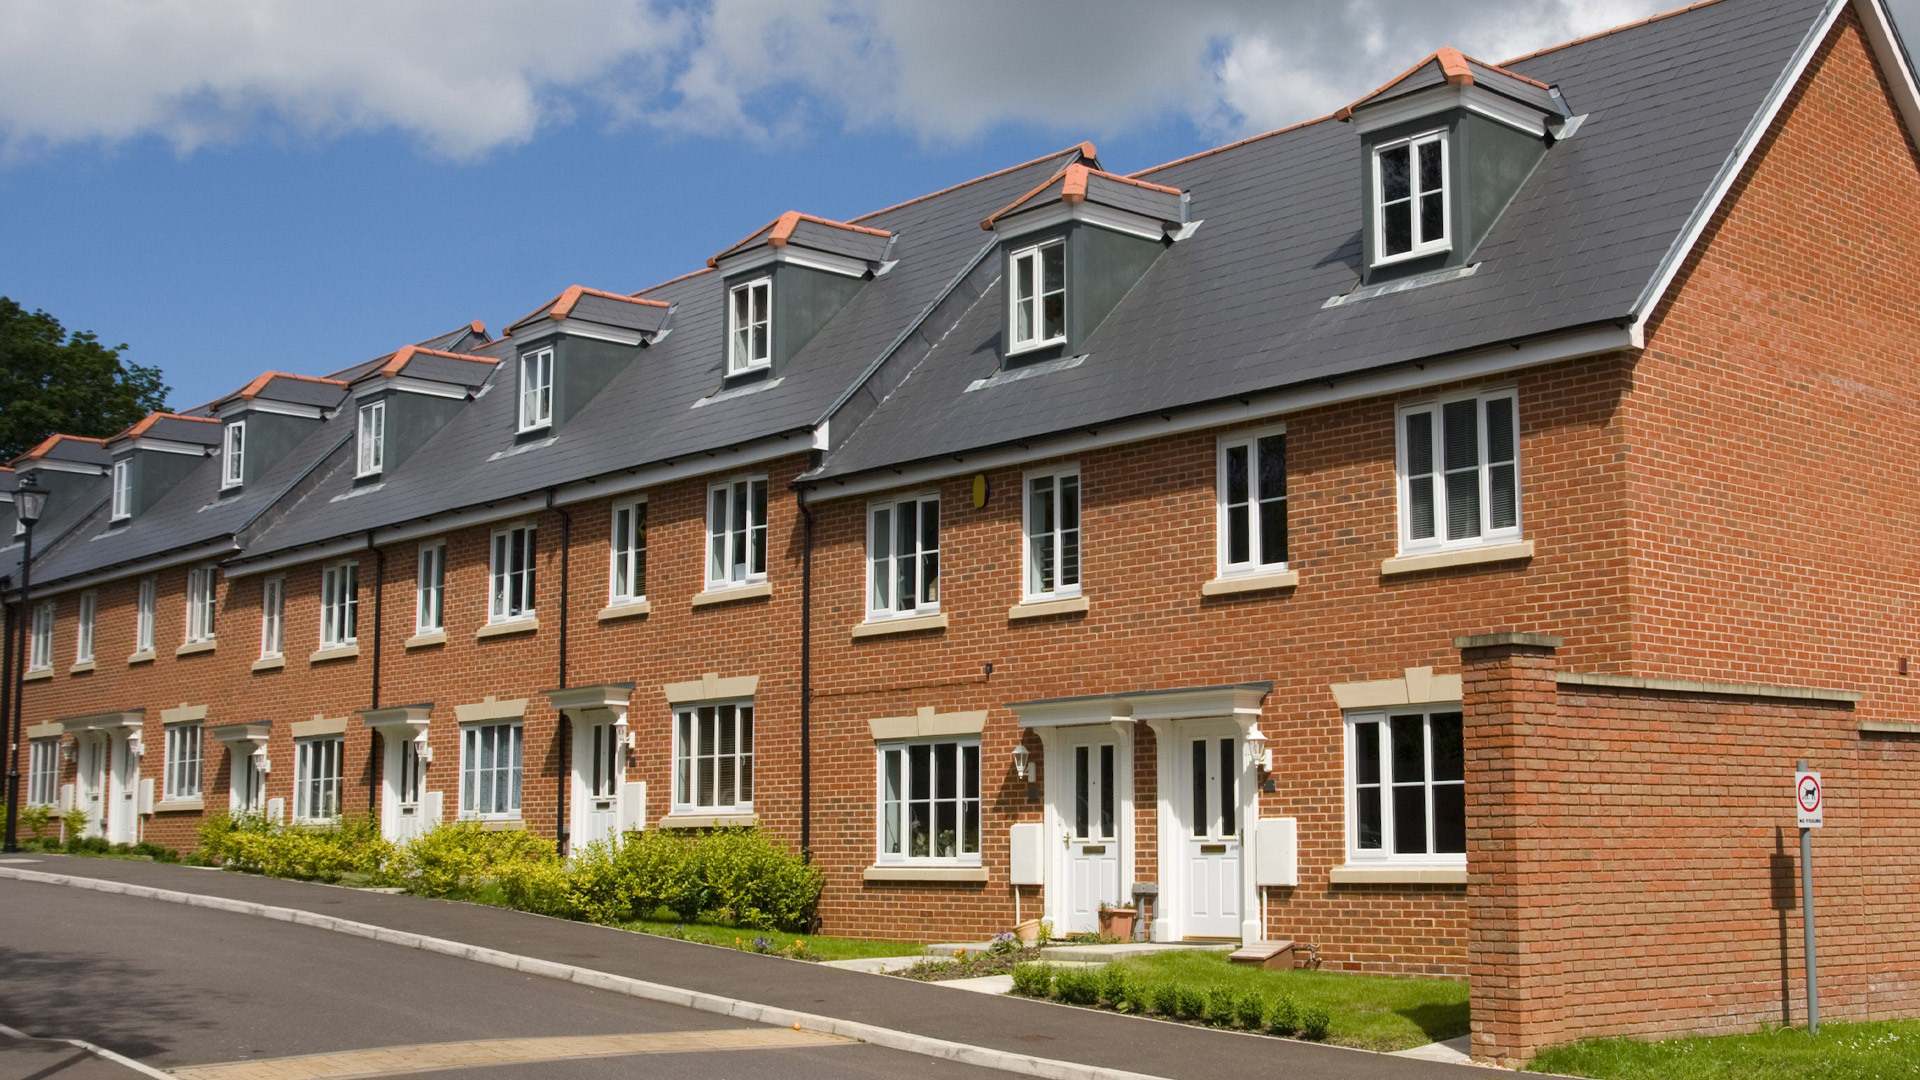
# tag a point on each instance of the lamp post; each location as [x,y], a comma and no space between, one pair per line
[28,504]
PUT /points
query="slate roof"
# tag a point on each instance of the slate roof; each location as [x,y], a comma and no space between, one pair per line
[173,427]
[1238,307]
[75,448]
[805,230]
[1076,183]
[605,308]
[1451,67]
[290,389]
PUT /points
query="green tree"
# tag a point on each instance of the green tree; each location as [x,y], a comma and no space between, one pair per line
[52,381]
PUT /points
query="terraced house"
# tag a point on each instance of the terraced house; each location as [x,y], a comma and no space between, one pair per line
[1430,533]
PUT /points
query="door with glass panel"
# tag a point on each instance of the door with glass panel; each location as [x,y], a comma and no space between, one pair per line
[123,807]
[405,771]
[92,781]
[1090,828]
[1209,768]
[598,762]
[248,788]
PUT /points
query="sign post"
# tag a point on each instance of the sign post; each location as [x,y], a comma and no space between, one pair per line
[1810,801]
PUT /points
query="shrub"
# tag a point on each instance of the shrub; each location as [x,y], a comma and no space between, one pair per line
[1113,986]
[73,823]
[654,868]
[1138,998]
[88,845]
[1033,980]
[455,857]
[1222,1006]
[541,886]
[216,831]
[304,852]
[1283,1018]
[1077,986]
[37,819]
[1189,1004]
[1166,999]
[1314,1024]
[750,881]
[1251,1011]
[155,852]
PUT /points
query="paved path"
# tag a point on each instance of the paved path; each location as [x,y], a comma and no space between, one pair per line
[1175,1051]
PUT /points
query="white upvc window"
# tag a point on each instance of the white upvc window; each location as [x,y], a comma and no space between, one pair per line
[183,761]
[627,574]
[1459,472]
[122,490]
[40,648]
[1252,497]
[430,589]
[750,326]
[512,592]
[371,439]
[339,605]
[1037,297]
[536,389]
[929,801]
[273,617]
[316,777]
[233,468]
[43,772]
[713,758]
[143,615]
[1406,790]
[1052,533]
[83,635]
[1411,198]
[200,603]
[490,770]
[736,532]
[903,557]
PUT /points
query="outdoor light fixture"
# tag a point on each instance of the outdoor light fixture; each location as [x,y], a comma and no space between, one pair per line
[1258,752]
[622,734]
[136,746]
[1023,765]
[265,766]
[29,502]
[425,749]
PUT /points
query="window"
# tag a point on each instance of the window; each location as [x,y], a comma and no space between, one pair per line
[40,654]
[143,617]
[490,770]
[43,772]
[1038,279]
[83,637]
[122,490]
[536,389]
[1410,177]
[412,772]
[200,604]
[340,606]
[750,326]
[1460,472]
[233,470]
[713,758]
[430,589]
[903,557]
[930,802]
[512,575]
[1053,534]
[316,778]
[273,612]
[372,439]
[183,762]
[1253,503]
[736,532]
[627,579]
[1406,790]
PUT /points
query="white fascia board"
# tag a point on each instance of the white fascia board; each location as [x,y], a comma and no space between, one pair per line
[1894,61]
[409,385]
[1676,257]
[1058,213]
[294,557]
[1496,107]
[64,466]
[276,408]
[169,446]
[698,463]
[213,549]
[767,255]
[573,326]
[1494,361]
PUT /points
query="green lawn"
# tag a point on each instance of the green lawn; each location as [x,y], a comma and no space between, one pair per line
[818,947]
[1877,1051]
[1374,1012]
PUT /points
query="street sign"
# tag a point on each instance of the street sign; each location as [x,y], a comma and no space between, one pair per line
[1808,799]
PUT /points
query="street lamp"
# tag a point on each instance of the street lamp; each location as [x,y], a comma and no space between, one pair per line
[29,502]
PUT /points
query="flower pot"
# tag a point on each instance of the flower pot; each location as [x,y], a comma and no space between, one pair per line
[1117,923]
[1028,932]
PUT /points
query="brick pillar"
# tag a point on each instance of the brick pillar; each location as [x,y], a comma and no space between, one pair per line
[1510,702]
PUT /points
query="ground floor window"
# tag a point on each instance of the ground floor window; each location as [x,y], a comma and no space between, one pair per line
[43,772]
[490,770]
[183,762]
[316,778]
[930,801]
[1406,792]
[713,758]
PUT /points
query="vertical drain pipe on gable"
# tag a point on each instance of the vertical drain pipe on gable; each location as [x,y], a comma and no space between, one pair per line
[379,597]
[806,675]
[562,727]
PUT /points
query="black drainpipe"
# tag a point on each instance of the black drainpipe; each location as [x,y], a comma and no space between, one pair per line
[9,616]
[806,676]
[379,600]
[560,830]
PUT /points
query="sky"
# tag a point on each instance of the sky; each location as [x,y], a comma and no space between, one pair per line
[237,186]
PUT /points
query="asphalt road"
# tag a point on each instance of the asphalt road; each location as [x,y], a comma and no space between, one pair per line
[172,986]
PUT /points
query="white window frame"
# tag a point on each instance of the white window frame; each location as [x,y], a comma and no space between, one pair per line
[144,615]
[122,490]
[736,541]
[182,767]
[509,585]
[430,588]
[889,570]
[1436,478]
[318,772]
[84,632]
[202,598]
[233,460]
[474,740]
[627,553]
[340,605]
[1035,254]
[1255,562]
[966,807]
[40,648]
[759,316]
[273,616]
[43,771]
[1029,571]
[536,390]
[691,750]
[370,439]
[1421,246]
[1388,781]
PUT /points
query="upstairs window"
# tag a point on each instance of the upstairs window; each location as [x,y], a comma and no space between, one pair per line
[83,638]
[1053,534]
[143,616]
[1253,503]
[1459,472]
[512,575]
[903,557]
[737,532]
[122,490]
[340,606]
[536,390]
[627,578]
[372,439]
[273,594]
[40,650]
[1411,215]
[430,589]
[750,326]
[200,604]
[233,470]
[1038,309]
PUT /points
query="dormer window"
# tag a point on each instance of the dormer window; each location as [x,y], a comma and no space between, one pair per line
[372,438]
[750,326]
[1410,177]
[1039,308]
[536,390]
[122,490]
[233,468]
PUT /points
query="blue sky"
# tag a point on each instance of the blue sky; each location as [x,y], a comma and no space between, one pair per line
[234,186]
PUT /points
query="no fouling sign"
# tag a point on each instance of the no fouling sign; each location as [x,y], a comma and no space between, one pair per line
[1808,799]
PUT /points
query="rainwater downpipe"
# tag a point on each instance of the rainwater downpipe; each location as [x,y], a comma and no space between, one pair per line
[806,675]
[379,601]
[564,727]
[9,618]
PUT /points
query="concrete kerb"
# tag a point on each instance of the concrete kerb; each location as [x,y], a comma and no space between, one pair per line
[97,1051]
[984,1057]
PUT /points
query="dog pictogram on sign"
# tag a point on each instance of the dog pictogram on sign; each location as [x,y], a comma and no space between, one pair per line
[1809,800]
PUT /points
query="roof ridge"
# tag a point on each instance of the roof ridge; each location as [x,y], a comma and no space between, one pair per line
[1085,149]
[1635,24]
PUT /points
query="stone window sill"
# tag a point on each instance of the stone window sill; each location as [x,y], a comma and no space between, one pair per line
[81,668]
[145,656]
[193,647]
[709,821]
[506,629]
[924,873]
[1246,583]
[1040,609]
[625,609]
[730,593]
[1387,874]
[885,627]
[338,652]
[422,640]
[36,676]
[1441,560]
[495,824]
[169,806]
[269,663]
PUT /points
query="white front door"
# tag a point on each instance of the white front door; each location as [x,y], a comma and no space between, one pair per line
[122,808]
[247,786]
[401,818]
[1091,825]
[1208,766]
[598,764]
[92,778]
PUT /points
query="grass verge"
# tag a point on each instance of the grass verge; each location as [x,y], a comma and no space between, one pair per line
[1874,1051]
[817,947]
